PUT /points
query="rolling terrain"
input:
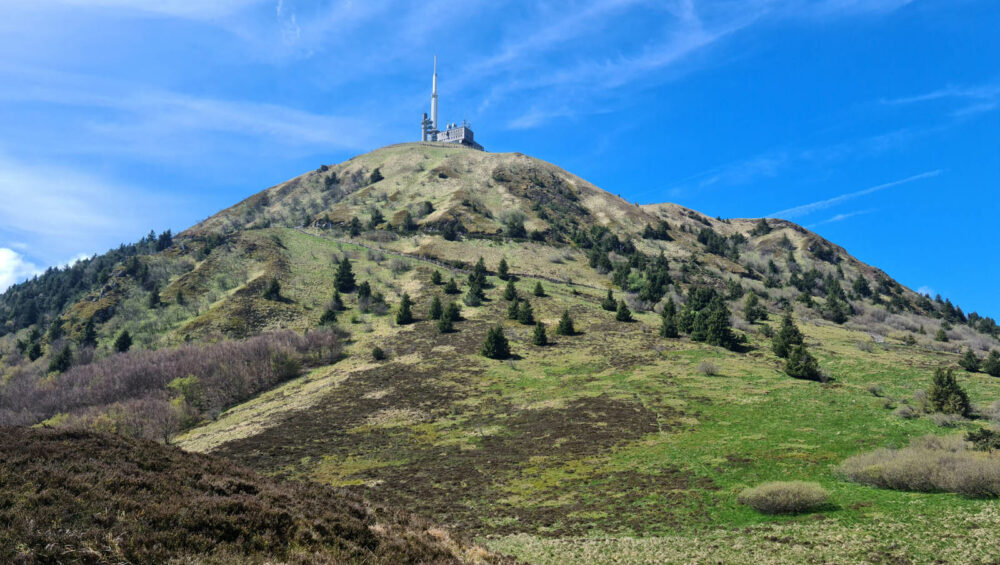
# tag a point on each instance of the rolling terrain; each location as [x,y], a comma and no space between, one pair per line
[611,445]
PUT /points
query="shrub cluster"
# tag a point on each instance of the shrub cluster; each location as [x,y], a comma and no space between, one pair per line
[784,497]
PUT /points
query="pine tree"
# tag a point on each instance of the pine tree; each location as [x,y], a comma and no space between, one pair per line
[154,298]
[329,317]
[991,365]
[343,281]
[273,290]
[355,227]
[513,309]
[444,324]
[179,298]
[436,277]
[539,337]
[788,336]
[539,291]
[525,314]
[34,351]
[123,342]
[378,354]
[337,303]
[453,312]
[503,269]
[801,364]
[435,310]
[55,332]
[609,302]
[510,291]
[668,325]
[969,362]
[623,314]
[375,176]
[451,287]
[496,345]
[89,337]
[474,296]
[752,309]
[717,328]
[478,275]
[62,361]
[404,315]
[946,396]
[565,326]
[941,335]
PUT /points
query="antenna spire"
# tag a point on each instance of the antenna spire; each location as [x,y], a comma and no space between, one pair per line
[434,96]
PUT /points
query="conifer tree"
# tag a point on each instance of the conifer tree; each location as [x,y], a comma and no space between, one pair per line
[62,361]
[788,335]
[946,396]
[329,317]
[609,302]
[55,332]
[969,362]
[752,309]
[539,337]
[801,364]
[123,342]
[89,337]
[154,298]
[273,290]
[565,326]
[444,324]
[478,275]
[337,303]
[513,309]
[941,335]
[623,314]
[355,227]
[991,365]
[717,326]
[435,310]
[453,312]
[668,325]
[34,351]
[436,277]
[474,296]
[364,290]
[343,281]
[539,290]
[404,315]
[510,291]
[503,269]
[496,345]
[525,314]
[451,287]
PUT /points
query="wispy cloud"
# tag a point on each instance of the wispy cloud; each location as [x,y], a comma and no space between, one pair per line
[840,217]
[191,9]
[806,209]
[14,268]
[973,99]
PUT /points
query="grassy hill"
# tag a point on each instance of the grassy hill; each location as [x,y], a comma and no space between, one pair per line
[612,445]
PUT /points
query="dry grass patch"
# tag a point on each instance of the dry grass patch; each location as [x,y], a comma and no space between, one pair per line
[784,497]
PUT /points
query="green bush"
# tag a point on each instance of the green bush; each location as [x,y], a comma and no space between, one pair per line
[802,365]
[946,396]
[495,346]
[784,497]
[565,326]
[378,354]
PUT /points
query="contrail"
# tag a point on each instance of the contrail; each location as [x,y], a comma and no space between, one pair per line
[812,207]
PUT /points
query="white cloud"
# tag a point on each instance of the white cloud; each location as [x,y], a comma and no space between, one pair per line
[14,268]
[926,290]
[823,204]
[840,218]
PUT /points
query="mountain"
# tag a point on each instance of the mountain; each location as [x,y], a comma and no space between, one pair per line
[563,452]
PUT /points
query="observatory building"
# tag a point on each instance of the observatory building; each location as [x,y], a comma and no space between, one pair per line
[453,133]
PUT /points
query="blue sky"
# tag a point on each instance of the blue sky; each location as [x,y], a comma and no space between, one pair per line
[874,122]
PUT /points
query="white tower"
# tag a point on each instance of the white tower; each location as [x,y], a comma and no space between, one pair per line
[434,97]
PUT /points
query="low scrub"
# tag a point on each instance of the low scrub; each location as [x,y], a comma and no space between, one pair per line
[928,464]
[784,497]
[153,394]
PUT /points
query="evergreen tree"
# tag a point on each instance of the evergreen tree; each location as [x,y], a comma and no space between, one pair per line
[836,309]
[539,290]
[761,228]
[55,332]
[861,287]
[451,287]
[62,361]
[474,296]
[436,277]
[525,314]
[375,176]
[273,290]
[329,317]
[496,346]
[623,314]
[376,219]
[407,225]
[717,326]
[354,229]
[991,365]
[453,312]
[154,298]
[404,315]
[34,351]
[513,309]
[444,324]
[503,269]
[435,310]
[946,396]
[969,362]
[941,335]
[478,275]
[510,291]
[123,342]
[378,354]
[752,309]
[801,364]
[565,326]
[788,335]
[539,337]
[668,325]
[89,337]
[179,298]
[609,302]
[364,290]
[343,281]
[337,303]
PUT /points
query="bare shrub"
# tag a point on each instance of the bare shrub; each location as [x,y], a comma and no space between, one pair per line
[946,420]
[374,255]
[875,390]
[928,464]
[865,346]
[399,266]
[784,497]
[708,368]
[905,412]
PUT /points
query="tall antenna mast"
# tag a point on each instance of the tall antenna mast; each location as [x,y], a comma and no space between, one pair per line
[434,96]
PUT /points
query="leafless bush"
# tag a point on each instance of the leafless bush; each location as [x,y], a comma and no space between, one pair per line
[784,497]
[928,464]
[946,420]
[399,266]
[865,346]
[875,390]
[374,255]
[905,412]
[708,368]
